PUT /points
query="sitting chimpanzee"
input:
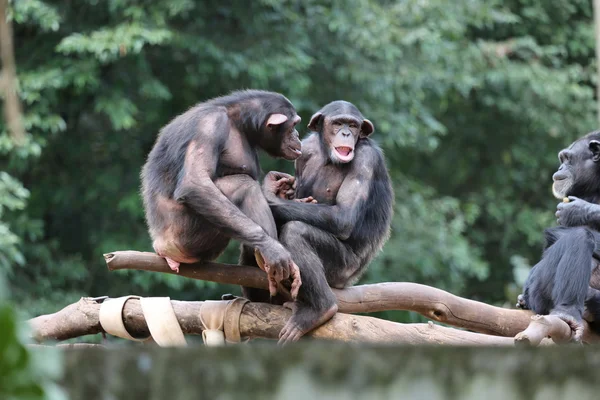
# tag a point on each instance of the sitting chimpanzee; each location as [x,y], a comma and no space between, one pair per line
[200,185]
[560,283]
[343,171]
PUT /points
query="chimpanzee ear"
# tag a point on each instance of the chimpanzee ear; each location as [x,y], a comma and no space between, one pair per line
[315,121]
[276,119]
[366,128]
[594,146]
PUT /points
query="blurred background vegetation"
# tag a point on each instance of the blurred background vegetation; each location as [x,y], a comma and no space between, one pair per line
[471,99]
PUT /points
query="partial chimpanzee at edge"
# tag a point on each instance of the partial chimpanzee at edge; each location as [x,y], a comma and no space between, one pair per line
[332,242]
[560,283]
[200,185]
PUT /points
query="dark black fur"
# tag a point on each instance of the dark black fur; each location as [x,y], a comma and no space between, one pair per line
[200,185]
[560,283]
[332,242]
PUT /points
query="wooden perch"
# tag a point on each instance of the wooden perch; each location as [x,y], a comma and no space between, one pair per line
[257,320]
[435,304]
[543,326]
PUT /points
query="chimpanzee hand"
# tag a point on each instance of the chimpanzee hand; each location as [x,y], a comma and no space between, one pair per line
[308,199]
[277,262]
[279,185]
[576,212]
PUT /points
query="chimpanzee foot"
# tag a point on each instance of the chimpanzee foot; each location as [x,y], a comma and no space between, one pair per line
[576,324]
[173,264]
[303,320]
[521,302]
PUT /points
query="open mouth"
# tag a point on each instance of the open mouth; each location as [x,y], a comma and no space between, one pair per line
[344,152]
[298,152]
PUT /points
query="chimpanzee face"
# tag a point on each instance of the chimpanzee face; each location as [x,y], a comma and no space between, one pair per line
[340,134]
[579,171]
[281,138]
[340,125]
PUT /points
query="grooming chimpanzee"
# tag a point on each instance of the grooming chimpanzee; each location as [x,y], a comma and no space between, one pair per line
[560,283]
[333,241]
[200,185]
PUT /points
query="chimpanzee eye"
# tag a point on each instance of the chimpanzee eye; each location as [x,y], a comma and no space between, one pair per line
[353,126]
[337,123]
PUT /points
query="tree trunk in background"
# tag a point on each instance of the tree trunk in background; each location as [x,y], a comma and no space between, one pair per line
[8,78]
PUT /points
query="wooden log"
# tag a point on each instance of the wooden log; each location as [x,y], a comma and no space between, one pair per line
[435,304]
[205,271]
[257,320]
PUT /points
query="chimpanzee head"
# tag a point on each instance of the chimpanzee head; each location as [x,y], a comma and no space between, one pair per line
[340,126]
[278,135]
[282,137]
[579,171]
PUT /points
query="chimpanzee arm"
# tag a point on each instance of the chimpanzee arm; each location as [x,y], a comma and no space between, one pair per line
[338,219]
[197,188]
[578,212]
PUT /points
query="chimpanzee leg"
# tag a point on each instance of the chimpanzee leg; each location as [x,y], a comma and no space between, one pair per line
[311,249]
[537,293]
[246,193]
[559,283]
[573,272]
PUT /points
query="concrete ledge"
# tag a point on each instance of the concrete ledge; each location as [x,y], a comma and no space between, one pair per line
[321,370]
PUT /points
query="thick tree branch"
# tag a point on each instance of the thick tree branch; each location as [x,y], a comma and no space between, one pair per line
[433,303]
[257,320]
[8,78]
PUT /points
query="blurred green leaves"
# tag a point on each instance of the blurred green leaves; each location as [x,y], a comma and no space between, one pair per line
[25,375]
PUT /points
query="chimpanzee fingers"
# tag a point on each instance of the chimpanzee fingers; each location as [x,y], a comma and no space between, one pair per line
[573,198]
[284,335]
[281,175]
[284,273]
[296,280]
[272,285]
[282,184]
[290,333]
[260,260]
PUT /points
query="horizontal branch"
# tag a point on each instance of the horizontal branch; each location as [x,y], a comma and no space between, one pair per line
[257,320]
[435,304]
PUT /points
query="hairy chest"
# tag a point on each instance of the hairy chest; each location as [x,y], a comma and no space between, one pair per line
[319,179]
[238,157]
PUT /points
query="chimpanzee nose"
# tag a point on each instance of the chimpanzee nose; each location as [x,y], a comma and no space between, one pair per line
[564,155]
[346,133]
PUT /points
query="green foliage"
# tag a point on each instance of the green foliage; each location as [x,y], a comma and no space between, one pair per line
[471,101]
[12,197]
[25,375]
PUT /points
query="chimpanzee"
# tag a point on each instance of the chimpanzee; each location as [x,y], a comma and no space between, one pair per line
[560,283]
[200,184]
[343,171]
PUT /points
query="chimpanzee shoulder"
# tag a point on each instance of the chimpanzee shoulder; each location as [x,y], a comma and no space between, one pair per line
[374,224]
